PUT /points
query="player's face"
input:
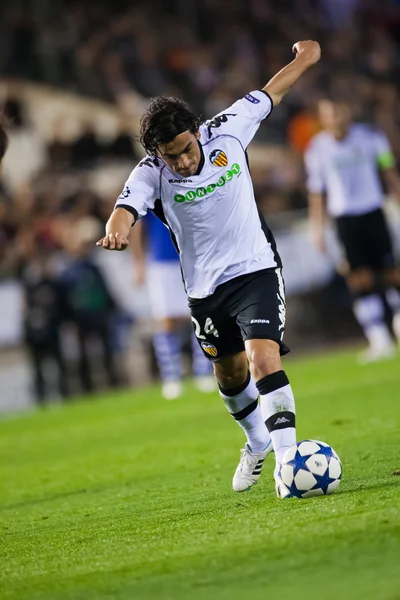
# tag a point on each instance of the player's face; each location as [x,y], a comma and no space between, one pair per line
[335,117]
[182,155]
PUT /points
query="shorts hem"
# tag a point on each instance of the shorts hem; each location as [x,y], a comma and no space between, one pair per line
[283,348]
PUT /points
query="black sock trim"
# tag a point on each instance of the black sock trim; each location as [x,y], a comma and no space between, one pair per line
[245,412]
[237,390]
[281,420]
[273,382]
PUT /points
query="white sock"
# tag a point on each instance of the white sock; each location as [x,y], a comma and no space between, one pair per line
[370,313]
[278,411]
[244,408]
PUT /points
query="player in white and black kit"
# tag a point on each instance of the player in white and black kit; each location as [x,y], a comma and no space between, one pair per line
[197,180]
[343,165]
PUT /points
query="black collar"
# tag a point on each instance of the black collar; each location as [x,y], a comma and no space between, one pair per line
[202,159]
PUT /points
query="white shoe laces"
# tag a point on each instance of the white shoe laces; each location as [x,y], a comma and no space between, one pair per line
[248,461]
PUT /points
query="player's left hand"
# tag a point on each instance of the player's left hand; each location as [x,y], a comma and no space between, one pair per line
[113,241]
[308,50]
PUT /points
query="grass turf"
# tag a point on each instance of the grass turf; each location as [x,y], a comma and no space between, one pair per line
[128,496]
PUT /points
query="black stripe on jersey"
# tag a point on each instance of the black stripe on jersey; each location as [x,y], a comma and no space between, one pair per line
[130,209]
[270,238]
[202,159]
[264,226]
[158,211]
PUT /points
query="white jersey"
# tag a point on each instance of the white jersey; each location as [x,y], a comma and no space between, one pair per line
[212,215]
[348,170]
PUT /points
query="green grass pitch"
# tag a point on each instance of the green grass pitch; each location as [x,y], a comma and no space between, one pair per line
[127,496]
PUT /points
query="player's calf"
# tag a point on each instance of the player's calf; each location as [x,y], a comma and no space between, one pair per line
[276,396]
[241,402]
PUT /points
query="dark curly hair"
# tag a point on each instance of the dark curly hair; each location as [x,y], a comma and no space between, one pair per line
[3,140]
[164,119]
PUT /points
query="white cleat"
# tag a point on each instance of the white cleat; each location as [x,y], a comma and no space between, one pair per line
[171,390]
[375,354]
[206,384]
[249,469]
[280,488]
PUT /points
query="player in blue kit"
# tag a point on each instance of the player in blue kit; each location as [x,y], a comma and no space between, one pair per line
[196,179]
[159,269]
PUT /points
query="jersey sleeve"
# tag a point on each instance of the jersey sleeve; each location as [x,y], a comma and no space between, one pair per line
[243,118]
[140,190]
[383,151]
[314,173]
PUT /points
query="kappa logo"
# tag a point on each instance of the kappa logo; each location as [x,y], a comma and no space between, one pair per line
[125,193]
[259,321]
[281,421]
[179,181]
[218,158]
[209,348]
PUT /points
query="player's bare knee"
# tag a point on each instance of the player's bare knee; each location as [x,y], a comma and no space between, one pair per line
[264,358]
[392,277]
[361,280]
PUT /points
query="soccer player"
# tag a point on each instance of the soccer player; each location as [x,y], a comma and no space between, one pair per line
[159,268]
[343,164]
[197,180]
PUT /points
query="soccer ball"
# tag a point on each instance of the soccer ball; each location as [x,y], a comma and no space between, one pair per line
[311,468]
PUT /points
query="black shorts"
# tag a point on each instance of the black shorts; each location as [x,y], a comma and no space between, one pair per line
[248,307]
[366,240]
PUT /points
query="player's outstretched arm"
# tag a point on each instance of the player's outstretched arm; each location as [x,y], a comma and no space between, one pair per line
[117,230]
[307,54]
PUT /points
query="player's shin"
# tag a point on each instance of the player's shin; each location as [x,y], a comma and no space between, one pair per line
[278,411]
[242,404]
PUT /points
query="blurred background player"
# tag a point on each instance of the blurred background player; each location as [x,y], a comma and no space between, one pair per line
[3,142]
[158,266]
[344,163]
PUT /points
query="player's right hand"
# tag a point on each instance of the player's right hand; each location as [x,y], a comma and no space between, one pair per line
[308,50]
[113,241]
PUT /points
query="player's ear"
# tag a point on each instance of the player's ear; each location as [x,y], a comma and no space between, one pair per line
[197,135]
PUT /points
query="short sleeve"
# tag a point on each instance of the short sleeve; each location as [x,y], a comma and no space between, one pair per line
[140,190]
[243,118]
[383,151]
[314,171]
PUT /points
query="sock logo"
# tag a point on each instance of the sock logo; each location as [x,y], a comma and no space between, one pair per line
[281,421]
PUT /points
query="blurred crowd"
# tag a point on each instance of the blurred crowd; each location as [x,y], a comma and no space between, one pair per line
[210,52]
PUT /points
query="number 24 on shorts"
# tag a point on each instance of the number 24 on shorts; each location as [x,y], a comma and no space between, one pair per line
[208,329]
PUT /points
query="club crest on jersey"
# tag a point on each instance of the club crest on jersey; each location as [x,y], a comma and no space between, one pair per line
[209,348]
[218,158]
